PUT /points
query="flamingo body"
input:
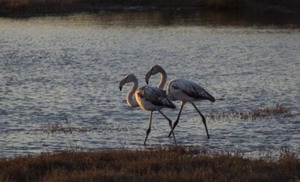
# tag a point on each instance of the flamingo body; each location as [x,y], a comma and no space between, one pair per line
[152,99]
[187,91]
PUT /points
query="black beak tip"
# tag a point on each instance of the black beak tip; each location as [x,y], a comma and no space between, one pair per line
[120,88]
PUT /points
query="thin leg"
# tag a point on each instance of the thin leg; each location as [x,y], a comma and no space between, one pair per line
[177,120]
[170,123]
[149,129]
[203,119]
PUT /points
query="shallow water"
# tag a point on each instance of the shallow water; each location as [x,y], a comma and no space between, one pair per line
[70,67]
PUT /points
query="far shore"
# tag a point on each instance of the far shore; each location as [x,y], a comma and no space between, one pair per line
[32,8]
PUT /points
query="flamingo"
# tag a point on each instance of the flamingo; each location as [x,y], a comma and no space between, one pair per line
[148,99]
[183,90]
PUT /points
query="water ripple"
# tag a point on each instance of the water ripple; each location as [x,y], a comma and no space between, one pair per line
[51,71]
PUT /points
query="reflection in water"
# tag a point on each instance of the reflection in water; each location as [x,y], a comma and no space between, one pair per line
[183,18]
[199,17]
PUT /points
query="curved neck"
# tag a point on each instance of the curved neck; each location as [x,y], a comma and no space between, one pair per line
[163,79]
[130,100]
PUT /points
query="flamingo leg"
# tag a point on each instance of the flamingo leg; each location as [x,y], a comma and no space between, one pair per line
[177,120]
[170,123]
[149,129]
[203,119]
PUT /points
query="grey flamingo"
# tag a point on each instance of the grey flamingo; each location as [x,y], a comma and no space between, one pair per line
[183,90]
[147,98]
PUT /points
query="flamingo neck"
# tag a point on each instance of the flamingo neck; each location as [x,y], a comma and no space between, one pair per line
[130,100]
[163,79]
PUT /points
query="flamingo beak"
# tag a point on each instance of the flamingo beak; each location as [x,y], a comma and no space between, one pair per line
[147,77]
[122,82]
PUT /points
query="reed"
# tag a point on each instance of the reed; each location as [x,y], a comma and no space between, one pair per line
[160,164]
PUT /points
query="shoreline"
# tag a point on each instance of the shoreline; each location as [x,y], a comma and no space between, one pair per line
[61,8]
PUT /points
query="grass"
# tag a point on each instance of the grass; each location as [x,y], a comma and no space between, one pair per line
[67,127]
[277,111]
[60,127]
[159,164]
[170,164]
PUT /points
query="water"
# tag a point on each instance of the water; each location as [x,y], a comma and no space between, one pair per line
[61,74]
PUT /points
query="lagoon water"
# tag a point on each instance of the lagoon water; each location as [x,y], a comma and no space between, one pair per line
[59,81]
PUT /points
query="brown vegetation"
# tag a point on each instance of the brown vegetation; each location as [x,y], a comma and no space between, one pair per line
[266,112]
[172,164]
[60,127]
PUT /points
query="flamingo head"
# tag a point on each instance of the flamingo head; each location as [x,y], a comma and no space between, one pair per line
[153,70]
[127,79]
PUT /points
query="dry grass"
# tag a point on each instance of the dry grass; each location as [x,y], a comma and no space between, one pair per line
[267,112]
[60,127]
[172,164]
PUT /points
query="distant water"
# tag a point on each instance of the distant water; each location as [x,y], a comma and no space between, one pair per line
[61,74]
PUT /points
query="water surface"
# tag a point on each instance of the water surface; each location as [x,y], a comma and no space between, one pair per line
[53,68]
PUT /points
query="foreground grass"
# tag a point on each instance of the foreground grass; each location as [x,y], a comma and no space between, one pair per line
[172,164]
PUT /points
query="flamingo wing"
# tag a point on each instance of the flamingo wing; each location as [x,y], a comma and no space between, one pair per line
[155,96]
[192,89]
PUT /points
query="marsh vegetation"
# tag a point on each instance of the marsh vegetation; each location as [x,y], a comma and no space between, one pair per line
[160,164]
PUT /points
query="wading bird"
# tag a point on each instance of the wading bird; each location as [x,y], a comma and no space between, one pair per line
[183,90]
[148,98]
